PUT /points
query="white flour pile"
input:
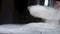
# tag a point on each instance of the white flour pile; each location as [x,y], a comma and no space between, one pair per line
[32,28]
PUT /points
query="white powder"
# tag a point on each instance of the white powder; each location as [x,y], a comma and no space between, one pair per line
[44,12]
[32,28]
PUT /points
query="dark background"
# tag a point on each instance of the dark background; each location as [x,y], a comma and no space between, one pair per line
[15,12]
